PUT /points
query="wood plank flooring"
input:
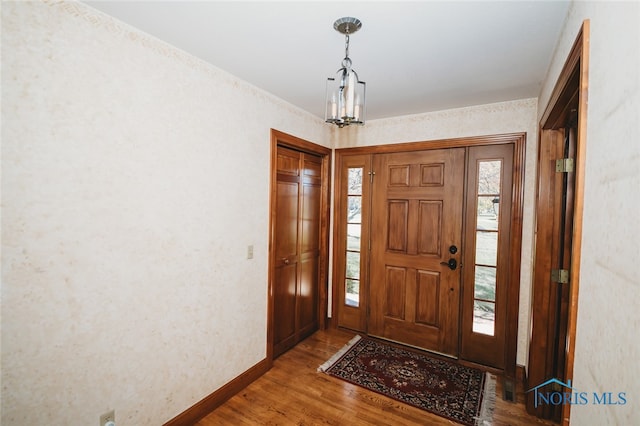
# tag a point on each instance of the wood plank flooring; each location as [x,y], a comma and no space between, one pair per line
[294,393]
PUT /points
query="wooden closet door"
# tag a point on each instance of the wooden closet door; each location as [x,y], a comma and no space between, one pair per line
[309,248]
[416,231]
[297,225]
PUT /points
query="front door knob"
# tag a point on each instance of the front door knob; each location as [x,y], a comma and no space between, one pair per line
[452,264]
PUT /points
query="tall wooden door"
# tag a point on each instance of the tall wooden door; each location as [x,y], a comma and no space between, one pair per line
[559,210]
[297,239]
[416,239]
[555,214]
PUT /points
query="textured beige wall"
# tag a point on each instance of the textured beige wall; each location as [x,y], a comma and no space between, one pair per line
[607,349]
[499,118]
[123,233]
[133,178]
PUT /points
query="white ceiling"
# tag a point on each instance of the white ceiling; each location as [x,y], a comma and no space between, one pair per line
[415,56]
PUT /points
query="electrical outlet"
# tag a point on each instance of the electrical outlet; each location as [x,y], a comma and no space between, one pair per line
[250,252]
[108,419]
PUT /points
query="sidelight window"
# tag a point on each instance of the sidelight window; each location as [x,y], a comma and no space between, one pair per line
[354,232]
[486,242]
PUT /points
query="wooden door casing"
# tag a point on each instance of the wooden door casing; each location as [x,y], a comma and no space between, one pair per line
[416,217]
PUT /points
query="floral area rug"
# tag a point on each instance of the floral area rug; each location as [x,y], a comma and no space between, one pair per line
[462,394]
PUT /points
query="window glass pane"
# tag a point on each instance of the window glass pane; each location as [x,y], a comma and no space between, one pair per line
[353,265]
[488,204]
[484,317]
[354,229]
[352,294]
[355,181]
[489,177]
[488,209]
[485,283]
[353,236]
[486,248]
[354,209]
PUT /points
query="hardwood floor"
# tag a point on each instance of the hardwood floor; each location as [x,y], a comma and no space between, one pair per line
[294,393]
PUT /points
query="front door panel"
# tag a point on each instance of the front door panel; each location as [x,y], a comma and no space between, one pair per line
[416,233]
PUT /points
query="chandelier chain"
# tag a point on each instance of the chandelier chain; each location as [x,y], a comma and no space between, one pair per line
[346,62]
[346,46]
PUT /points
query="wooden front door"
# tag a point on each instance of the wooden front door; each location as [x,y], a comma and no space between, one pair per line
[297,247]
[416,239]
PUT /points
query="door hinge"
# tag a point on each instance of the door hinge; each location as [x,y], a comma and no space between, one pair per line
[564,165]
[560,276]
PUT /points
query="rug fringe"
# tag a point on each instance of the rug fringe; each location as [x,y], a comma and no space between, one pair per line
[485,416]
[324,367]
